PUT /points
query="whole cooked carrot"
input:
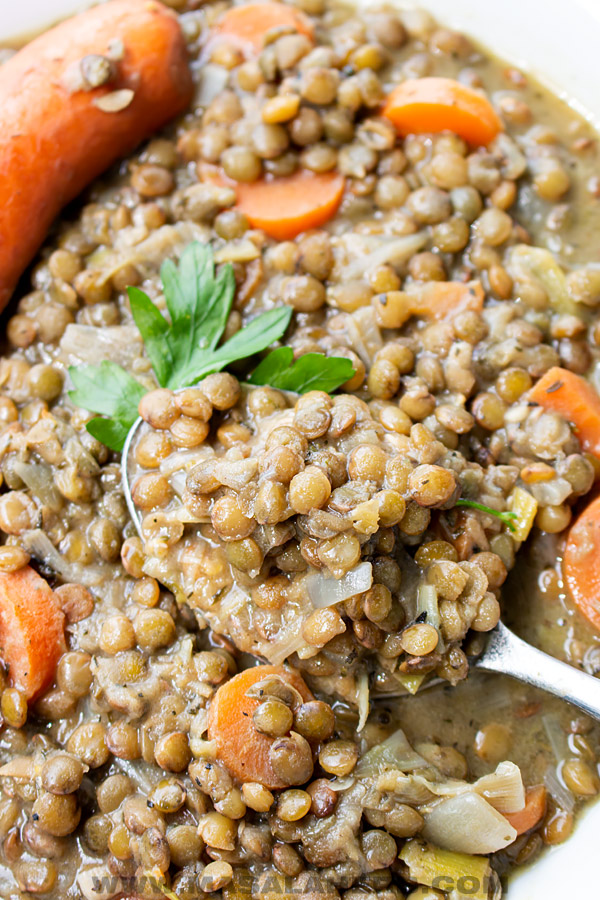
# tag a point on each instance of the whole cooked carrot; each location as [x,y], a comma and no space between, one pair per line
[58,132]
[575,399]
[31,630]
[533,811]
[243,749]
[431,105]
[247,25]
[431,300]
[581,563]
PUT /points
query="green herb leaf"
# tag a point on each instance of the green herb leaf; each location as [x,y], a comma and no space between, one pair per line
[199,305]
[182,350]
[111,391]
[259,334]
[507,516]
[311,372]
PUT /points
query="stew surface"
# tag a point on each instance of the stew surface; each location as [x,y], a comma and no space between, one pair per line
[240,704]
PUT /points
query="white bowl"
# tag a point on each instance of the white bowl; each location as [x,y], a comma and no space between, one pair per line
[558,41]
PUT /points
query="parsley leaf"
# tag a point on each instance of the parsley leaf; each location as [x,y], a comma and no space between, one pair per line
[311,372]
[256,336]
[110,390]
[199,305]
[182,350]
[507,516]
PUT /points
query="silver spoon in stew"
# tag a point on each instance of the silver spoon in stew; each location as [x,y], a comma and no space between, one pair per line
[504,653]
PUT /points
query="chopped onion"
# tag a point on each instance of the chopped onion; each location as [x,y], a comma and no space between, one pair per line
[563,797]
[467,823]
[41,548]
[394,753]
[362,700]
[21,767]
[552,492]
[97,883]
[427,602]
[526,263]
[363,333]
[557,737]
[325,590]
[38,478]
[213,79]
[87,344]
[503,789]
[385,250]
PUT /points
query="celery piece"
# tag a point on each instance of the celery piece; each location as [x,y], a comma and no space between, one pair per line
[412,683]
[446,870]
[525,506]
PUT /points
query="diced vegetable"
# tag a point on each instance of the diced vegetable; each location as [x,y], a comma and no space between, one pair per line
[503,788]
[286,206]
[394,753]
[243,749]
[533,811]
[412,683]
[246,25]
[467,823]
[525,263]
[431,105]
[445,870]
[325,590]
[31,630]
[525,506]
[574,398]
[581,563]
[435,300]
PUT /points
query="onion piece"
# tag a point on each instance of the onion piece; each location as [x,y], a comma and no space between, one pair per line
[38,478]
[503,789]
[87,344]
[394,753]
[563,797]
[427,602]
[325,590]
[41,548]
[467,823]
[379,251]
[527,263]
[557,737]
[362,700]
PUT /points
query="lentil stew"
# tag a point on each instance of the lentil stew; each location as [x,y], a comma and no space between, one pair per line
[228,694]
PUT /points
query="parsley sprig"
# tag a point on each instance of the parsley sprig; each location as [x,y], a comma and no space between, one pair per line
[507,516]
[186,347]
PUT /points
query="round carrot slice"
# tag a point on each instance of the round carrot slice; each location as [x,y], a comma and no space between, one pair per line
[431,105]
[247,25]
[243,749]
[285,207]
[581,563]
[32,626]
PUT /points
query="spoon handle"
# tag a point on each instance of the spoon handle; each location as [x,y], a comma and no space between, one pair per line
[507,653]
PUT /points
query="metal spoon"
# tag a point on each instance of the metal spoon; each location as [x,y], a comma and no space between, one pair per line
[504,653]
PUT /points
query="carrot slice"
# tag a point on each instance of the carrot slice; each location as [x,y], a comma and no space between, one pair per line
[247,25]
[431,105]
[243,749]
[533,811]
[440,299]
[31,630]
[285,207]
[56,137]
[574,398]
[433,300]
[581,563]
